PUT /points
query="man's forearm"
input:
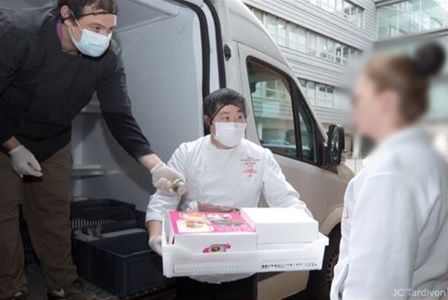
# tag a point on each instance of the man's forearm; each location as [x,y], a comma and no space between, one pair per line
[11,144]
[149,161]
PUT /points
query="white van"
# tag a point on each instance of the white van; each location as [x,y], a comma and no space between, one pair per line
[176,52]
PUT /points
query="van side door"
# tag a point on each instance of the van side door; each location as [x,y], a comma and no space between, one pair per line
[280,119]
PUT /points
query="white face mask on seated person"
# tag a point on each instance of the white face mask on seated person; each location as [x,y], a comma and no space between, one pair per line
[229,126]
[230,134]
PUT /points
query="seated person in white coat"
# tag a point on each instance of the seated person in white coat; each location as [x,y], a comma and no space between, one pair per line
[395,229]
[223,170]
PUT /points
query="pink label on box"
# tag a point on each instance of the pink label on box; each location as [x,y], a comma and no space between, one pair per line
[186,222]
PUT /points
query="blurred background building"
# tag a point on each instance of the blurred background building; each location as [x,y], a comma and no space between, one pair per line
[322,39]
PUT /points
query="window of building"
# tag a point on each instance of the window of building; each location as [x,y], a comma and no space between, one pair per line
[324,95]
[411,17]
[296,37]
[288,34]
[350,11]
[281,32]
[311,92]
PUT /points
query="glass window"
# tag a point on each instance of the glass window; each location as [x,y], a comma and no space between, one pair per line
[274,116]
[347,9]
[281,32]
[293,36]
[353,13]
[322,46]
[322,95]
[338,53]
[271,26]
[311,92]
[302,39]
[311,43]
[307,136]
[411,17]
[330,50]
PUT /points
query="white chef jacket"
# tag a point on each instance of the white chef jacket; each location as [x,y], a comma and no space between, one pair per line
[236,177]
[395,225]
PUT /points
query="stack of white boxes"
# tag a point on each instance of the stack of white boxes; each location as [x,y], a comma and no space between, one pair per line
[281,228]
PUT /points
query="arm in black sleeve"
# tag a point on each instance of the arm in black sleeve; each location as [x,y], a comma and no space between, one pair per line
[10,50]
[116,106]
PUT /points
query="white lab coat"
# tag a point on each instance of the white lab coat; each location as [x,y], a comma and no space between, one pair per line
[395,226]
[236,177]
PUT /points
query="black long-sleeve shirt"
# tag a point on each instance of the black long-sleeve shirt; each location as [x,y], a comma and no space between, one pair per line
[43,88]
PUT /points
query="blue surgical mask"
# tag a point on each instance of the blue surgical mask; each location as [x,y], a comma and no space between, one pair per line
[91,43]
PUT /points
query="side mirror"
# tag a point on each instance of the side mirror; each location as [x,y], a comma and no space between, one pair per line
[335,145]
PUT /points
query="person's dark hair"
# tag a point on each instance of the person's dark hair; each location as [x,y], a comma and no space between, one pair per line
[77,7]
[214,102]
[408,76]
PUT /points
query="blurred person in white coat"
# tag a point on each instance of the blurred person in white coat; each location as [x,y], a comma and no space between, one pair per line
[395,226]
[224,172]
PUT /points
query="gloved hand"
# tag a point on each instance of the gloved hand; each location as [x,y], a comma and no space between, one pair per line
[155,243]
[24,163]
[163,177]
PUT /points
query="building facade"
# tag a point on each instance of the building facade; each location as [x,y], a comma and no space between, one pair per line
[320,39]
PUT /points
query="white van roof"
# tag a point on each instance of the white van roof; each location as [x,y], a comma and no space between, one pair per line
[240,25]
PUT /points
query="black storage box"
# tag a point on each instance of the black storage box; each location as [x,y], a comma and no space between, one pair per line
[101,212]
[123,265]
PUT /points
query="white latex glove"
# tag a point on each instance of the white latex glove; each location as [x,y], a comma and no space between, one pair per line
[163,178]
[155,243]
[24,163]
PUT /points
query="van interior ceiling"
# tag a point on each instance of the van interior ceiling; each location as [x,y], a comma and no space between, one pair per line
[162,53]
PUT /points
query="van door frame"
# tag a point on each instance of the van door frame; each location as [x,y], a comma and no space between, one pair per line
[205,43]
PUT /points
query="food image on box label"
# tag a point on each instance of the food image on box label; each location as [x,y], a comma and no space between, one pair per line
[217,248]
[206,222]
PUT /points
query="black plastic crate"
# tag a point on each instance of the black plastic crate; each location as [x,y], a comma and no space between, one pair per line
[123,265]
[100,212]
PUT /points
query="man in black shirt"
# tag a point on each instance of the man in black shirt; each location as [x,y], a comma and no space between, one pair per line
[51,63]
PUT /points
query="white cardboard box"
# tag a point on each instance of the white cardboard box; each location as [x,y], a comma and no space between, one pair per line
[212,243]
[281,226]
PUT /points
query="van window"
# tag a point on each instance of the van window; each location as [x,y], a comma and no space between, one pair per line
[273,109]
[307,135]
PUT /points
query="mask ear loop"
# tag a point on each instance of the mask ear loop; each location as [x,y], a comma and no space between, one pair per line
[75,18]
[76,21]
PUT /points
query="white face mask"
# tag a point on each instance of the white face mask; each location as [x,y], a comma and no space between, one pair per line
[230,134]
[91,43]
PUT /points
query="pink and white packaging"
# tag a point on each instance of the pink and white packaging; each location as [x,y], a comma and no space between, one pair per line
[281,227]
[207,232]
